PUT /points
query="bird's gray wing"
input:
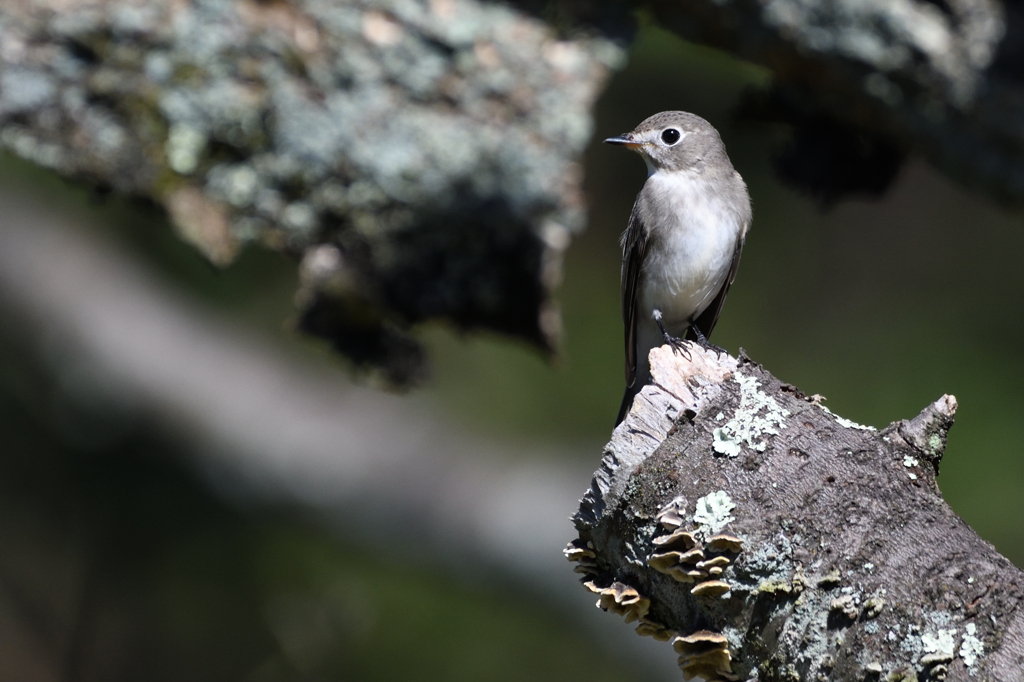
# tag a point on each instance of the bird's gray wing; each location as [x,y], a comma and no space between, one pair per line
[634,250]
[707,319]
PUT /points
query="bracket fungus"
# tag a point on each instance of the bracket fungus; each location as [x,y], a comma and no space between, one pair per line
[621,599]
[577,550]
[706,655]
[710,588]
[688,562]
[652,628]
[673,514]
[681,555]
[583,554]
[670,563]
[936,665]
[845,605]
[723,542]
[678,540]
[873,607]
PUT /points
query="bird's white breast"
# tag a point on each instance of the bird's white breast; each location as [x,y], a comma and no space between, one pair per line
[693,236]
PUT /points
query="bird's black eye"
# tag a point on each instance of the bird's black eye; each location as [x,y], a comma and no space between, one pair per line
[670,136]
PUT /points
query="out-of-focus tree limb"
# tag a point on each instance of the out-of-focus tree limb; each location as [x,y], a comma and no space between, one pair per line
[863,83]
[100,349]
[795,543]
[124,348]
[421,156]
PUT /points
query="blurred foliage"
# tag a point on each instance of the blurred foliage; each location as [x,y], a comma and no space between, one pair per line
[881,306]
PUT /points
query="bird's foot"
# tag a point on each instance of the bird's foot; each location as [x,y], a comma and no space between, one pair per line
[678,344]
[703,342]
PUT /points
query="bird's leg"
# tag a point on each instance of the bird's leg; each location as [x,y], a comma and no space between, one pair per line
[703,341]
[678,344]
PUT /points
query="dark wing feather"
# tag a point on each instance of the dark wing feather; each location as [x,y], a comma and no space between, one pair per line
[634,250]
[707,320]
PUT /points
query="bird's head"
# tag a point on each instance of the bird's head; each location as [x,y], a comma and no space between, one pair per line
[673,141]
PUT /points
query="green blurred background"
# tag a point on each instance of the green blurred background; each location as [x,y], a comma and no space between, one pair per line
[881,306]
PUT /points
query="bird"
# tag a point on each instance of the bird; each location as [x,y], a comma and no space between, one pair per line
[682,246]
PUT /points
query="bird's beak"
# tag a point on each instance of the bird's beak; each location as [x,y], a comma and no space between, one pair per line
[624,141]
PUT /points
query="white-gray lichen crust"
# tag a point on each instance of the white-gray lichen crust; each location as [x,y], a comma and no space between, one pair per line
[941,641]
[758,416]
[971,648]
[847,423]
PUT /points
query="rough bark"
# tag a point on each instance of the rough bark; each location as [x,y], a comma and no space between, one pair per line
[863,83]
[421,157]
[837,558]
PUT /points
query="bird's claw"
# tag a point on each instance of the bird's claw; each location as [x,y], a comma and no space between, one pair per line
[703,342]
[718,350]
[678,344]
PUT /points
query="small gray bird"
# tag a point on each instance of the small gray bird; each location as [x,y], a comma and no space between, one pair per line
[682,246]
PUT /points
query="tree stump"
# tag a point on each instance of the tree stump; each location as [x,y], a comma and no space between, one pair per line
[769,539]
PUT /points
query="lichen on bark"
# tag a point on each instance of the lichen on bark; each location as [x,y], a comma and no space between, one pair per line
[835,557]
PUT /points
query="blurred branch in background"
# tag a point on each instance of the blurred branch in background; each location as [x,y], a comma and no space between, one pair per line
[424,158]
[434,146]
[862,84]
[104,356]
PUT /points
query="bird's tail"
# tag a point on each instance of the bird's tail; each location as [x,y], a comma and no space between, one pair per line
[627,401]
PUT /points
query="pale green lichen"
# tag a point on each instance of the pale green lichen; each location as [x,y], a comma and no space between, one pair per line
[940,619]
[726,443]
[713,512]
[908,462]
[780,587]
[971,647]
[757,416]
[943,641]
